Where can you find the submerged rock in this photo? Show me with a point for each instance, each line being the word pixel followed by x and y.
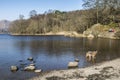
pixel 72 64
pixel 32 64
pixel 29 68
pixel 30 58
pixel 38 71
pixel 13 68
pixel 20 60
pixel 76 60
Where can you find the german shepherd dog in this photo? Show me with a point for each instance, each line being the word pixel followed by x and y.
pixel 91 55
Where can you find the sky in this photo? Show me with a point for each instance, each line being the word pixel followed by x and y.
pixel 11 9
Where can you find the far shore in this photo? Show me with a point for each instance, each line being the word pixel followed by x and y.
pixel 62 33
pixel 109 70
pixel 69 34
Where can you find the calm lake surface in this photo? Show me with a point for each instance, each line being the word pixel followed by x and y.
pixel 50 53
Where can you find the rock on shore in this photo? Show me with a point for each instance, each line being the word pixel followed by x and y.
pixel 109 70
pixel 102 31
pixel 72 64
pixel 13 68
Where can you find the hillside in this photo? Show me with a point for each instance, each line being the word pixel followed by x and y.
pixel 54 21
pixel 105 12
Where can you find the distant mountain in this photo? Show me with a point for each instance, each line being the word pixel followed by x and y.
pixel 4 25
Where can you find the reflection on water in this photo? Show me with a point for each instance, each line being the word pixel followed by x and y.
pixel 51 52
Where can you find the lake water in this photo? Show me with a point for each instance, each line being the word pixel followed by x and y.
pixel 50 53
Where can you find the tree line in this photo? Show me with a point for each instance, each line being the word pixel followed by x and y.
pixel 94 11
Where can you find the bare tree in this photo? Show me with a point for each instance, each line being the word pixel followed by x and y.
pixel 33 13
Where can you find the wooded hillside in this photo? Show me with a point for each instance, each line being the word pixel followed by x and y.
pixel 106 12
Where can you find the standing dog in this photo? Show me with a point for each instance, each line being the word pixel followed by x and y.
pixel 91 55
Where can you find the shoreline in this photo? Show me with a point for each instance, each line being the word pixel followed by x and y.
pixel 73 34
pixel 108 70
pixel 62 33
